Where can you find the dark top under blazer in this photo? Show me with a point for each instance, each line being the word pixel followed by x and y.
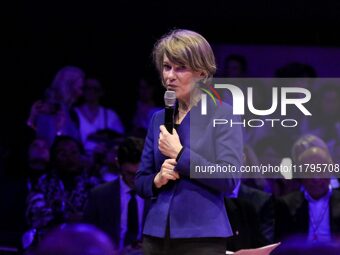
pixel 194 207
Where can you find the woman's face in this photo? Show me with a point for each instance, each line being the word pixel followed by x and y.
pixel 92 91
pixel 74 84
pixel 179 78
pixel 77 87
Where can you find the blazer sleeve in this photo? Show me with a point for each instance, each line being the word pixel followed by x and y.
pixel 228 151
pixel 147 172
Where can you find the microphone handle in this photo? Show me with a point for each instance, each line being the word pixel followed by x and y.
pixel 169 118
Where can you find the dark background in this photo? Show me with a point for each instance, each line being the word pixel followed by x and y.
pixel 112 41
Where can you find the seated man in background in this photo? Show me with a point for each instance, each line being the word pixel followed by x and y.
pixel 114 206
pixel 313 212
pixel 251 214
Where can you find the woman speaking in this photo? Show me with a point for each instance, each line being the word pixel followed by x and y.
pixel 187 215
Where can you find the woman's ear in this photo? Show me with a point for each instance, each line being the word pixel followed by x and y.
pixel 203 74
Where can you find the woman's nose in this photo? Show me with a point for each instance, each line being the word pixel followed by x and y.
pixel 171 74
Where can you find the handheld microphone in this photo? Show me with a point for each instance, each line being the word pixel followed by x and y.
pixel 170 101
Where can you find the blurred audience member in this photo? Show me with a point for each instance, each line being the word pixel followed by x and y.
pixel 38 160
pixel 326 107
pixel 262 100
pixel 235 66
pixel 59 195
pixel 114 207
pixel 104 155
pixel 296 69
pixel 244 222
pixel 306 142
pixel 146 107
pixel 253 180
pixel 93 116
pixel 297 245
pixel 54 115
pixel 251 215
pixel 314 211
pixel 295 75
pixel 270 151
pixel 78 239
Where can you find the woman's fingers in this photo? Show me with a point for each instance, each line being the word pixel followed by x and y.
pixel 175 174
pixel 171 161
pixel 170 177
pixel 169 166
pixel 165 175
pixel 166 172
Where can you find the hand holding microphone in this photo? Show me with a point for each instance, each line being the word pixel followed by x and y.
pixel 169 144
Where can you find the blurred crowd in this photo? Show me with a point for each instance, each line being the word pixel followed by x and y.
pixel 77 187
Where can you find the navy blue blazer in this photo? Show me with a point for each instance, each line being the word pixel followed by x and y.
pixel 192 207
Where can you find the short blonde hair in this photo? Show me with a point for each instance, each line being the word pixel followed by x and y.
pixel 185 47
pixel 61 86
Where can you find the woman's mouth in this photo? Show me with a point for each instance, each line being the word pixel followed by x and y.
pixel 171 87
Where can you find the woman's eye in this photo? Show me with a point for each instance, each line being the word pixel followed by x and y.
pixel 166 67
pixel 182 68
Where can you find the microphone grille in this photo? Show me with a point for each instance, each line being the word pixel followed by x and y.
pixel 170 98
